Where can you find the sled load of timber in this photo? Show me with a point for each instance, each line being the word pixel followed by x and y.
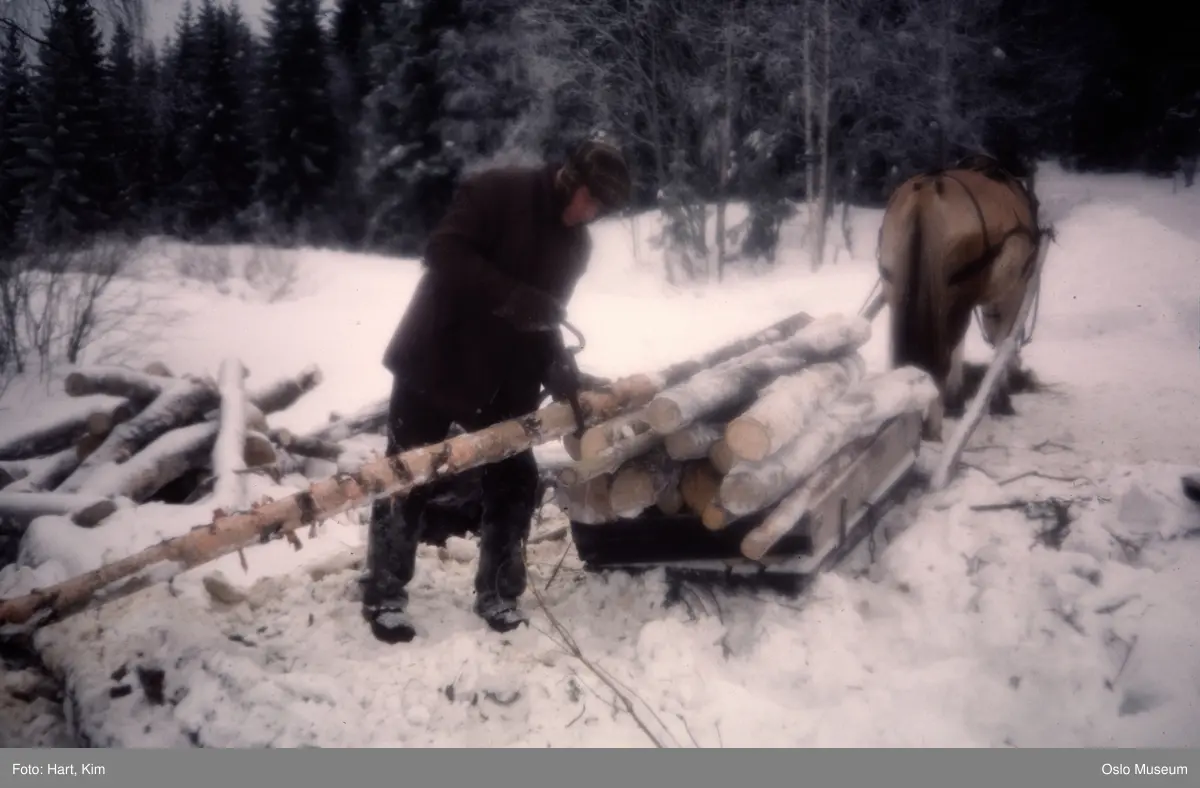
pixel 772 463
pixel 777 444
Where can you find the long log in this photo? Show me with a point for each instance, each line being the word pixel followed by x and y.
pixel 788 405
pixel 229 446
pixel 395 475
pixel 282 394
pixel 637 484
pixel 693 441
pixel 84 510
pixel 178 406
pixel 49 435
pixel 750 487
pixel 140 388
pixel 1003 357
pixel 742 378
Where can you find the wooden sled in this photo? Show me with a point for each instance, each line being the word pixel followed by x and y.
pixel 838 519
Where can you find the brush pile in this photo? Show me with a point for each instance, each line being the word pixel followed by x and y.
pixel 763 433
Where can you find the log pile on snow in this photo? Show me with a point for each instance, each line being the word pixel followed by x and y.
pixel 147 435
pixel 759 434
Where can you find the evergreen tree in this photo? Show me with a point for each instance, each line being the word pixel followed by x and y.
pixel 407 173
pixel 220 179
pixel 181 115
pixel 148 142
pixel 299 142
pixel 130 121
pixel 70 166
pixel 15 107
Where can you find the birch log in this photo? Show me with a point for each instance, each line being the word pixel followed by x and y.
pixel 788 405
pixel 750 487
pixel 693 441
pixel 637 484
pixel 743 377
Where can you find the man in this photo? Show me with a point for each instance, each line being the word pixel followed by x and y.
pixel 478 341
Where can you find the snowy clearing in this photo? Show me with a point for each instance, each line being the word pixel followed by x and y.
pixel 975 627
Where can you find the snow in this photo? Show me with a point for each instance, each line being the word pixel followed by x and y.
pixel 978 625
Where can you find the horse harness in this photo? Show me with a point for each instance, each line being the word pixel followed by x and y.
pixel 992 251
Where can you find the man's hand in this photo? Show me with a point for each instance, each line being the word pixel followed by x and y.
pixel 563 381
pixel 529 309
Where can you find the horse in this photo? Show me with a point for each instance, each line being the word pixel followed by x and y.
pixel 952 241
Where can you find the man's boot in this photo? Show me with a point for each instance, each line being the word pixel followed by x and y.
pixel 391 561
pixel 510 488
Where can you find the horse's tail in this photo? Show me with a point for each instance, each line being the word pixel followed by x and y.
pixel 917 331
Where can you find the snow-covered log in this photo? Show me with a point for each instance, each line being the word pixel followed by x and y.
pixel 84 510
pixel 181 404
pixel 589 502
pixel 306 445
pixel 139 388
pixel 370 419
pixel 49 472
pixel 49 435
pixel 693 441
pixel 229 448
pixel 742 378
pixel 282 394
pixel 638 483
pixel 788 405
pixel 255 418
pixel 750 487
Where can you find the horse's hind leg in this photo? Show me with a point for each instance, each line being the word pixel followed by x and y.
pixel 997 320
pixel 955 401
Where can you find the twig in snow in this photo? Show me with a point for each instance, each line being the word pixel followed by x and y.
pixel 557 567
pixel 1110 683
pixel 1040 475
pixel 567 642
pixel 720 739
pixel 688 728
pixel 1042 447
pixel 578 716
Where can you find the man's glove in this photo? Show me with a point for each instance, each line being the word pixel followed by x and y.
pixel 529 309
pixel 563 381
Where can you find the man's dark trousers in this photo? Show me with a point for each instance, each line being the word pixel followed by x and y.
pixel 509 493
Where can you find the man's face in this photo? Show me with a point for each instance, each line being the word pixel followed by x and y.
pixel 583 208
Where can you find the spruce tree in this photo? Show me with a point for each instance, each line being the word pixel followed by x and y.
pixel 15 108
pixel 299 130
pixel 70 166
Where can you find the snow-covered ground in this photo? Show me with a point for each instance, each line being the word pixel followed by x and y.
pixel 975 627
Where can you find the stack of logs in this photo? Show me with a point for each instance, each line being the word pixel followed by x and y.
pixel 142 435
pixel 765 432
